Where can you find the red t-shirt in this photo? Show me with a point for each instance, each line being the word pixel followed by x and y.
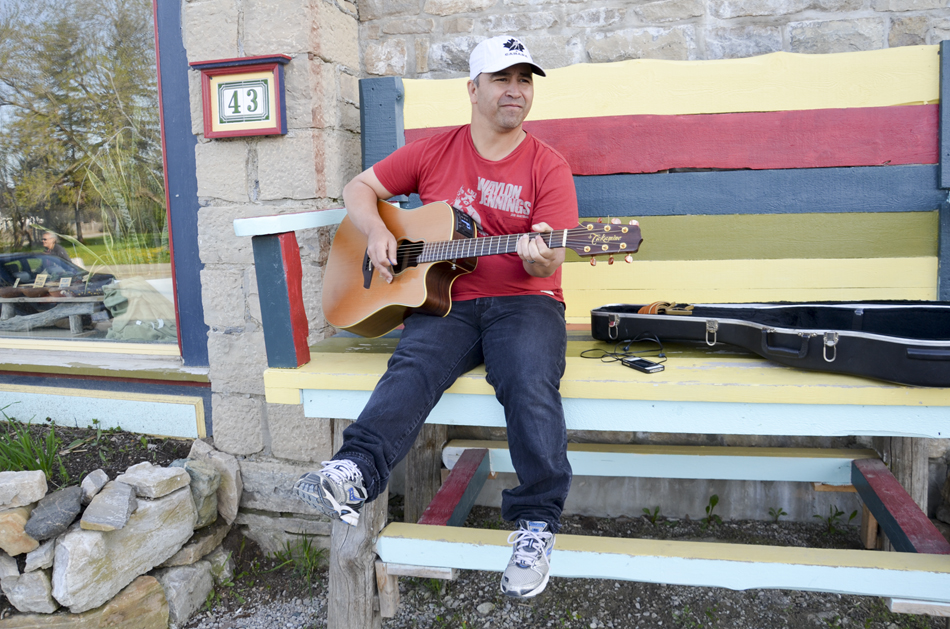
pixel 531 185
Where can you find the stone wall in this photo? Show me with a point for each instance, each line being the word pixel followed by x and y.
pixel 432 38
pixel 303 170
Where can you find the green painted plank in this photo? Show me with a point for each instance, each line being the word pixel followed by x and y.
pixel 779 236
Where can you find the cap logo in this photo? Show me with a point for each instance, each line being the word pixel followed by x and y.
pixel 514 45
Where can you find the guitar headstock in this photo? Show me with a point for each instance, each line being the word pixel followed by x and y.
pixel 592 239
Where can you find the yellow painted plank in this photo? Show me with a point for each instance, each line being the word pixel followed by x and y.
pixel 620 448
pixel 692 376
pixel 775 82
pixel 750 553
pixel 97 347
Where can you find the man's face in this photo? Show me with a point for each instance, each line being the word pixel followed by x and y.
pixel 48 241
pixel 503 99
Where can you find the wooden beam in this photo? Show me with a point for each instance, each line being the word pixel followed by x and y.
pixel 424 469
pixel 279 284
pixel 921 608
pixel 388 587
pixel 906 526
pixel 734 566
pixel 455 499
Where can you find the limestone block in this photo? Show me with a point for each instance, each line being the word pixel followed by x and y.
pixel 302 92
pixel 238 423
pixel 151 481
pixel 387 58
pixel 18 489
pixel 205 480
pixel 237 364
pixel 675 43
pixel 13 540
pixel 222 296
pixel 210 30
pixel 274 532
pixel 92 484
pixel 195 104
pixel 941 31
pixel 222 565
pixel 338 161
pixel 836 6
pixel 943 513
pixel 232 486
pixel 221 169
pixel 670 10
pixel 742 42
pixel 111 509
pixel 54 513
pixel 93 566
pixel 217 242
pixel 422 54
pixel 186 588
pixel 459 25
pixel 908 31
pixel 334 36
pixel 42 557
pixel 729 9
pixel 268 484
pixel 30 592
pixel 594 18
pixel 451 7
pixel 201 543
pixel 350 101
pixel 519 22
pixel 908 5
pixel 943 527
pixel 553 52
pixel 277 26
pixel 409 26
pixel 285 166
pixel 452 55
pixel 376 9
pixel 836 36
pixel 8 566
pixel 295 437
pixel 945 491
pixel 141 605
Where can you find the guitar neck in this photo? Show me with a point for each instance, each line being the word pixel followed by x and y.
pixel 486 246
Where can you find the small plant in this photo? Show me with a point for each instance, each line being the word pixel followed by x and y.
pixel 833 519
pixel 776 513
pixel 21 452
pixel 711 518
pixel 303 557
pixel 652 516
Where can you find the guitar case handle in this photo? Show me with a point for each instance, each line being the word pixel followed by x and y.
pixel 784 351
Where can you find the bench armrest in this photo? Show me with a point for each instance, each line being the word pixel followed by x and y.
pixel 282 223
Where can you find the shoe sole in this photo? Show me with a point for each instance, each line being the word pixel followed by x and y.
pixel 324 502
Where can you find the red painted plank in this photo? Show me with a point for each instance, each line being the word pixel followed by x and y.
pixel 900 518
pixel 820 138
pixel 293 272
pixel 455 498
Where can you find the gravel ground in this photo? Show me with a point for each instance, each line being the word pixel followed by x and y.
pixel 474 601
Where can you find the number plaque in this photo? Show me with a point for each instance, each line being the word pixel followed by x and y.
pixel 243 97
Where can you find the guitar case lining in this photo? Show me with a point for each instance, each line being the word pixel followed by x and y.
pixel 901 342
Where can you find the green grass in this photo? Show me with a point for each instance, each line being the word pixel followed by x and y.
pixel 21 452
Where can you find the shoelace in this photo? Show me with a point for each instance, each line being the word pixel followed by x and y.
pixel 529 546
pixel 341 471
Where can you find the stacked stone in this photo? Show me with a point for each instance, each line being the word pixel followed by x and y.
pixel 141 551
pixel 397 38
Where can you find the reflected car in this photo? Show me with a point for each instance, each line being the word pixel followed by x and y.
pixel 25 266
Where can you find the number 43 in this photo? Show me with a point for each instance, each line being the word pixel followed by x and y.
pixel 235 105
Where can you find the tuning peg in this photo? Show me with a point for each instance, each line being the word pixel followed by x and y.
pixel 615 221
pixel 593 261
pixel 610 260
pixel 600 219
pixel 628 259
pixel 633 222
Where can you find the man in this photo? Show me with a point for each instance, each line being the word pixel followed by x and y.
pixel 52 246
pixel 508 313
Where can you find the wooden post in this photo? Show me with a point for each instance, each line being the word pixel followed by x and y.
pixel 424 470
pixel 906 457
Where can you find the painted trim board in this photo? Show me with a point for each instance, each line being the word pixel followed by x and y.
pixel 733 566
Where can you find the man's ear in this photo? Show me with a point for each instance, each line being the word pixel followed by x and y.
pixel 471 91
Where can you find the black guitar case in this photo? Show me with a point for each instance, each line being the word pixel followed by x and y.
pixel 902 342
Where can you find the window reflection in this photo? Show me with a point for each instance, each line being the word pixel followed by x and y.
pixel 84 250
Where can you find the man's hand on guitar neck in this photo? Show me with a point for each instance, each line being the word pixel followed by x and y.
pixel 538 259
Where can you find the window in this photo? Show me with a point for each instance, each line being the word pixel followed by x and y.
pixel 84 246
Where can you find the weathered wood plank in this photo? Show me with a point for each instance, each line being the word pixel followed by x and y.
pixel 816 138
pixel 906 526
pixel 424 467
pixel 455 500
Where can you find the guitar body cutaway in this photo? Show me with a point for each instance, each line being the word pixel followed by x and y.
pixel 424 287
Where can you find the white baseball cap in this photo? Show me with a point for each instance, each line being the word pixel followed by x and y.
pixel 498 53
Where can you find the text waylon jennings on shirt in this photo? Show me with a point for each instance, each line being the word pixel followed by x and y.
pixel 503 196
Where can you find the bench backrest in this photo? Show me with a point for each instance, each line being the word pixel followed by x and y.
pixel 784 177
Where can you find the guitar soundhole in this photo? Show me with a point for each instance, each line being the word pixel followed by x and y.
pixel 407 255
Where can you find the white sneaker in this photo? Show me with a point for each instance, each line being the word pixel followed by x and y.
pixel 337 490
pixel 529 568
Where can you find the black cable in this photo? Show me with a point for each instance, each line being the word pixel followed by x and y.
pixel 619 353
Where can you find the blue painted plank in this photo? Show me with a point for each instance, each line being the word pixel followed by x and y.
pixel 182 181
pixel 275 305
pixel 943 253
pixel 381 120
pixel 796 191
pixel 944 115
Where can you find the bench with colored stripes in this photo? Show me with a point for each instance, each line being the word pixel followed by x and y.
pixel 783 177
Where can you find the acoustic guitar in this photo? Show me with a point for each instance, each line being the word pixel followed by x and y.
pixel 436 244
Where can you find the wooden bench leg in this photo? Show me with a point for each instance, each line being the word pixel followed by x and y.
pixel 424 470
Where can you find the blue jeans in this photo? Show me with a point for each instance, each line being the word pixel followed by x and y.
pixel 522 341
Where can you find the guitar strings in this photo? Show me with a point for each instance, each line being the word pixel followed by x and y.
pixel 552 238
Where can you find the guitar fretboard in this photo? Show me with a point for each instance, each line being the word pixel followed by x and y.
pixel 487 246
